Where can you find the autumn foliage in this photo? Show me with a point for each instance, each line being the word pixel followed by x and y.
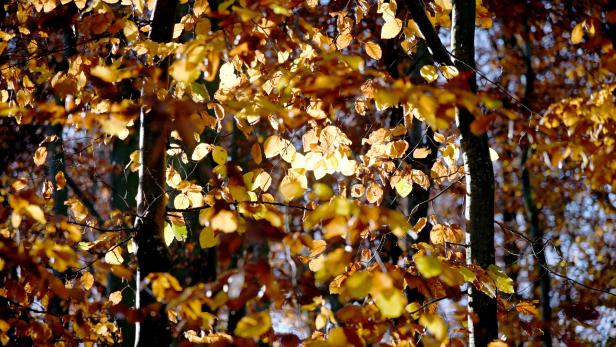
pixel 293 172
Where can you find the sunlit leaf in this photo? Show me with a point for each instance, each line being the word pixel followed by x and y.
pixel 115 297
pixel 502 281
pixel 577 34
pixel 429 73
pixel 254 325
pixel 207 239
pixel 114 256
pixel 391 28
pixel 373 50
pixel 40 156
pixel 435 325
pixel 427 265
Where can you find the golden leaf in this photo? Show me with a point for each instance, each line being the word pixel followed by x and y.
pixel 435 325
pixel 390 301
pixel 201 150
pixel 255 152
pixel 225 221
pixel 207 239
pixel 449 71
pixel 293 186
pixel 527 307
pixel 60 180
pixel 404 186
pixel 577 34
pixel 254 325
pixel 219 155
pixel 79 211
pixel 86 280
pixel 343 40
pixel 373 50
pixel 374 194
pixel 428 266
pixel 36 213
pixel 429 73
pixel 391 28
pixel 40 156
pixel 502 281
pixel 115 297
pixel 421 153
pixel 114 256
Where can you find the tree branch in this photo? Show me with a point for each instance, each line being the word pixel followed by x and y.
pixel 436 47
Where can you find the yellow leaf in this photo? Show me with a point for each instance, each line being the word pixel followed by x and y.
pixel 207 239
pixel 275 145
pixel 374 50
pixel 168 235
pixel 435 325
pixel 115 297
pixel 228 78
pixel 493 155
pixel 577 34
pixel 343 40
pixel 427 265
pixel 498 343
pixel 254 325
pixel 181 201
pixel 36 213
pixel 255 151
pixel 502 281
pixel 40 156
pixel 106 73
pixel 449 71
pixel 391 28
pixel 86 280
pixel 114 257
pixel 224 221
pixel 404 187
pixel 60 180
pixel 323 191
pixel 184 71
pixel 293 186
pixel 79 211
pixel 220 155
pixel 390 301
pixel 527 308
pixel 428 72
pixel 359 284
pixel 374 194
pixel 421 153
pixel 201 150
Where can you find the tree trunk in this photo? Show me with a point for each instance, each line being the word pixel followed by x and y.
pixel 479 179
pixel 543 281
pixel 152 253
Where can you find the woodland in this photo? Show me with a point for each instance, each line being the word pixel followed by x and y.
pixel 307 173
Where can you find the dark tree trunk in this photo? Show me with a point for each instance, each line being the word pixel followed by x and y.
pixel 479 178
pixel 152 253
pixel 543 281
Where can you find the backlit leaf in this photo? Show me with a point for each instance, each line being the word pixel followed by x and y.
pixel 115 297
pixel 373 50
pixel 254 325
pixel 391 28
pixel 427 265
pixel 429 73
pixel 40 156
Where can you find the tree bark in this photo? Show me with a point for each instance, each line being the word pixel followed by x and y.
pixel 543 281
pixel 152 253
pixel 479 211
pixel 479 178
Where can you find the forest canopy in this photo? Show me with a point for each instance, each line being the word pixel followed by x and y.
pixel 307 172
